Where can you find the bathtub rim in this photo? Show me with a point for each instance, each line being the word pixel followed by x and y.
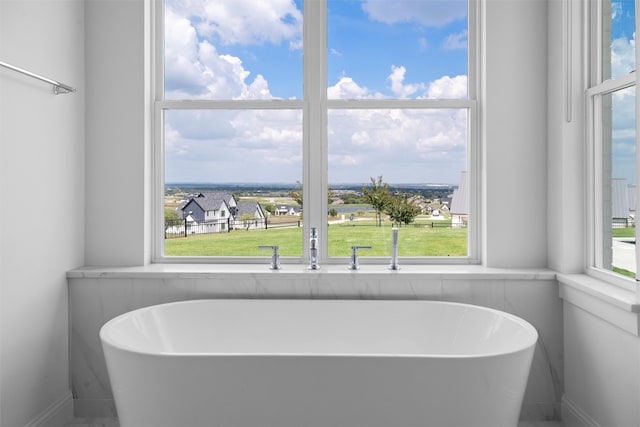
pixel 107 340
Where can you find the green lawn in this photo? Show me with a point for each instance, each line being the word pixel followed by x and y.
pixel 623 232
pixel 413 241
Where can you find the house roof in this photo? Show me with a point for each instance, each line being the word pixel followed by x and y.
pixel 288 208
pixel 246 207
pixel 619 198
pixel 210 201
pixel 632 197
pixel 460 199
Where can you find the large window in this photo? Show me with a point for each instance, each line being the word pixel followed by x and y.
pixel 359 121
pixel 613 142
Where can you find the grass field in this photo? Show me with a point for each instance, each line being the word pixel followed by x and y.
pixel 413 241
pixel 624 232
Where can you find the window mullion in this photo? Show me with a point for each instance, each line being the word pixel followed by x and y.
pixel 315 122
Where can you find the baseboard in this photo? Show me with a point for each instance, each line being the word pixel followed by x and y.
pixel 56 415
pixel 94 408
pixel 574 416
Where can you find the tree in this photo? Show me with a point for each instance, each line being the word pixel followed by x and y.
pixel 378 196
pixel 402 210
pixel 296 194
pixel 171 216
pixel 269 207
pixel 247 219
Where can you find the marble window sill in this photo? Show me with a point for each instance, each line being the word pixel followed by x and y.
pixel 204 271
pixel 616 305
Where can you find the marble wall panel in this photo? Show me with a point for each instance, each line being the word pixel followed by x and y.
pixel 538 302
pixel 94 301
pixel 487 293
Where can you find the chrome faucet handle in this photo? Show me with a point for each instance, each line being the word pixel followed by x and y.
pixel 355 264
pixel 275 257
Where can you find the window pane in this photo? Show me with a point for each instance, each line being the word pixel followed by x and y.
pixel 397 49
pixel 618 38
pixel 233 49
pixel 419 158
pixel 619 181
pixel 228 178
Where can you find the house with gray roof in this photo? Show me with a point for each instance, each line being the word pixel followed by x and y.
pixel 288 210
pixel 219 211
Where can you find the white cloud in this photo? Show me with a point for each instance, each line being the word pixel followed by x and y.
pixel 347 88
pixel 245 21
pixel 399 89
pixel 403 145
pixel 444 87
pixel 616 9
pixel 230 145
pixel 428 145
pixel 344 160
pixel 629 133
pixel 361 137
pixel 433 13
pixel 448 87
pixel 623 56
pixel 456 41
pixel 196 70
pixel 623 116
pixel 182 67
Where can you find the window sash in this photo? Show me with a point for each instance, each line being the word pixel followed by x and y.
pixel 599 235
pixel 315 106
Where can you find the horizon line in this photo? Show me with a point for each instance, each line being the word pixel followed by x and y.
pixel 250 183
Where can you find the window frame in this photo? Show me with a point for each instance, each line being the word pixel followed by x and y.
pixel 315 106
pixel 598 87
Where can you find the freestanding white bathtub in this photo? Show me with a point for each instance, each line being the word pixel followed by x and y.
pixel 308 363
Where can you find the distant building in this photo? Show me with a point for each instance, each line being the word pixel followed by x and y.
pixel 287 210
pixel 219 211
pixel 459 209
pixel 623 203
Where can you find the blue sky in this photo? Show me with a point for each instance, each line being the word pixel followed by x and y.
pixel 247 49
pixel 623 114
pixel 367 39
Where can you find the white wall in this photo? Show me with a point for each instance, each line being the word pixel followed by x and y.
pixel 117 144
pixel 566 150
pixel 42 203
pixel 514 117
pixel 601 344
pixel 602 371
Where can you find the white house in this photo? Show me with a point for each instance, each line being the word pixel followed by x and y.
pixel 287 210
pixel 219 211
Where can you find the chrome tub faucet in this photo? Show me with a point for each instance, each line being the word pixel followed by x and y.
pixel 275 258
pixel 355 264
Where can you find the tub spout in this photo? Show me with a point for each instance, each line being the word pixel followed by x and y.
pixel 355 264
